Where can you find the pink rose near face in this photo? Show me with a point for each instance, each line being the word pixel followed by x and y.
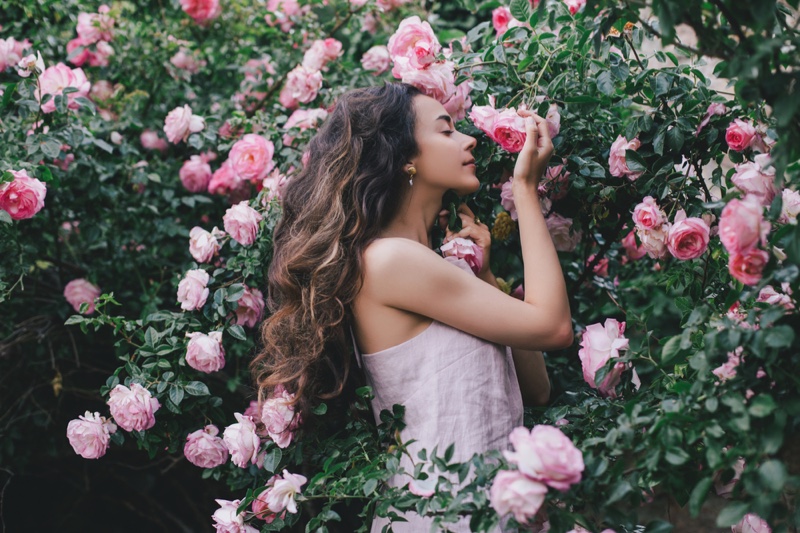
pixel 227 521
pixel 560 228
pixel 545 454
pixel 508 130
pixel 23 197
pixel 193 290
pixel 751 523
pixel 241 222
pixel 282 496
pixel 415 41
pixel 302 86
pixel 180 123
pixel 203 245
pixel 204 449
pixel 687 237
pixel 713 109
pixel 242 441
pixel 514 492
pixel 465 249
pixel 79 291
pixel 632 250
pixel 89 435
pixel 742 225
pixel 617 164
pixel 757 178
pixel 278 416
pixel 55 79
pixel 195 174
pixel 201 11
pixel 376 59
pixel 791 206
pixel 599 344
pixel 205 352
pixel 483 116
pixel 436 81
pixel 748 266
pixel 458 104
pixel 739 135
pixel 133 409
pixel 647 214
pixel 251 308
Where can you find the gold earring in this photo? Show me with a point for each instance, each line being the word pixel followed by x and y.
pixel 411 173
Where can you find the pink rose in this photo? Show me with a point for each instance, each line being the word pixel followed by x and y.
pixel 600 268
pixel 89 435
pixel 751 523
pixel 742 225
pixel 203 245
pixel 464 249
pixel 23 197
pixel 436 81
pixel 713 109
pixel 284 491
pixel 224 181
pixel 93 27
pixel 560 228
pixel 553 119
pixel 507 198
pixel 193 290
pixel 415 41
pixel 508 130
pixel 545 454
pixel 376 59
pixel 483 116
pixel 304 119
pixel 458 104
pixel 302 86
pixel 618 165
pixel 503 20
pixel 725 490
pixel 513 492
pixel 242 441
pixel 55 79
pixel 791 206
pixel 195 174
pixel 555 182
pixel 226 520
pixel 599 344
pixel 747 266
pixel 281 11
pixel 575 5
pixel 186 60
pixel 11 52
pixel 740 135
pixel 241 222
pixel 727 370
pixel 632 250
pixel 133 409
pixel 654 241
pixel 180 122
pixel 151 141
pixel 204 449
pixel 274 185
pixel 321 53
pixel 261 508
pixel 205 352
pixel 770 296
pixel 688 237
pixel 251 157
pixel 201 11
pixel 647 214
pixel 79 291
pixel 757 178
pixel 251 308
pixel 279 417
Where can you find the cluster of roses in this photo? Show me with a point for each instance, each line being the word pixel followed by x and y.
pixel 685 238
pixel 95 30
pixel 305 80
pixel 544 457
pixel 276 498
pixel 503 20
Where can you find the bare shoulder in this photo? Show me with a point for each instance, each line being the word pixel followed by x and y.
pixel 389 254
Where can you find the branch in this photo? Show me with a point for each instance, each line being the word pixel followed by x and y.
pixel 600 253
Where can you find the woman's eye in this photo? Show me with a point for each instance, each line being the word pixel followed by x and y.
pixel 448 132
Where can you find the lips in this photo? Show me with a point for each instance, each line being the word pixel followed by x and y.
pixel 470 162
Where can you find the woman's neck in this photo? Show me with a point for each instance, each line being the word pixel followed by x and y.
pixel 416 216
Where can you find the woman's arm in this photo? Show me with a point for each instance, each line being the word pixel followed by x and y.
pixel 532 376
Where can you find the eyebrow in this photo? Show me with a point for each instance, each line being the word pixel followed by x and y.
pixel 445 117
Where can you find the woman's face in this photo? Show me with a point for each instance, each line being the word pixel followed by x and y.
pixel 445 158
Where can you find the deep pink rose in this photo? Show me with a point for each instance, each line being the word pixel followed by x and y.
pixel 23 197
pixel 55 79
pixel 302 86
pixel 742 225
pixel 251 308
pixel 242 441
pixel 514 492
pixel 376 59
pixel 89 435
pixel 133 408
pixel 508 130
pixel 79 291
pixel 748 266
pixel 205 352
pixel 195 174
pixel 739 135
pixel 278 416
pixel 617 164
pixel 284 491
pixel 545 454
pixel 600 268
pixel 599 344
pixel 465 249
pixel 415 41
pixel 713 109
pixel 193 290
pixel 241 222
pixel 757 178
pixel 224 181
pixel 560 228
pixel 483 116
pixel 227 521
pixel 201 11
pixel 751 523
pixel 791 206
pixel 204 449
pixel 632 250
pixel 688 237
pixel 647 214
pixel 321 53
pixel 203 245
pixel 575 5
pixel 180 122
pixel 503 20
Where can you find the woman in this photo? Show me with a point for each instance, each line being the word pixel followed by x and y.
pixel 353 254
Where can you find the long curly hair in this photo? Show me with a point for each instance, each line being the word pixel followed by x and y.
pixel 348 192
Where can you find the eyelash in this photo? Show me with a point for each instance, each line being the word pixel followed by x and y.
pixel 449 131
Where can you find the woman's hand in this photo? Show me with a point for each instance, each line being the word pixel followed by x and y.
pixel 532 160
pixel 477 231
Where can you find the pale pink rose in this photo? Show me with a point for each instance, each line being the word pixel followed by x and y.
pixel 242 441
pixel 465 249
pixel 508 130
pixel 251 308
pixel 281 12
pixel 261 508
pixel 599 344
pixel 513 492
pixel 203 245
pixel 274 185
pixel 740 135
pixel 632 250
pixel 555 182
pixel 688 237
pixel 180 122
pixel 654 241
pixel 553 119
pixel 415 41
pixel 742 225
pixel 725 490
pixel 302 86
pixel 545 454
pixel 748 265
pixel 23 197
pixel 195 174
pixel 133 408
pixel 376 59
pixel 790 207
pixel 204 449
pixel 93 27
pixel 757 178
pixel 713 109
pixel 304 119
pixel 251 157
pixel 227 521
pixel 769 295
pixel 458 104
pixel 30 64
pixel 284 491
pixel 11 52
pixel 483 116
pixel 205 352
pixel 321 53
pixel 278 416
pixel 507 198
pixel 184 59
pixel 436 81
pixel 560 228
pixel 193 290
pixel 575 5
pixel 55 79
pixel 617 164
pixel 241 222
pixel 751 523
pixel 151 141
pixel 79 291
pixel 201 11
pixel 727 370
pixel 389 5
pixel 89 435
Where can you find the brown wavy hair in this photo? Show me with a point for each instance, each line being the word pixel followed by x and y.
pixel 347 193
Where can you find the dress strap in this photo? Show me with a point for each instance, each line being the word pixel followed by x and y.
pixel 355 347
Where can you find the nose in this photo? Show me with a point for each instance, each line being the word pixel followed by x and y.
pixel 472 142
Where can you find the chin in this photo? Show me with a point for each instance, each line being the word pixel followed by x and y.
pixel 468 188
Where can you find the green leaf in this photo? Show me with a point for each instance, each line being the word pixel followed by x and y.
pixel 605 83
pixel 197 388
pixel 104 145
pixel 675 139
pixel 773 475
pixel 237 332
pixel 272 460
pixel 780 337
pixel 176 394
pixel 520 10
pixel 699 494
pixel 635 162
pixel 619 491
pixel 235 292
pixel 732 513
pixel 671 349
pixel 676 456
pixel 658 526
pixel 5 217
pixel 761 406
pixel 370 486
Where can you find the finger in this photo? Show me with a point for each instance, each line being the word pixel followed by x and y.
pixel 464 209
pixel 544 132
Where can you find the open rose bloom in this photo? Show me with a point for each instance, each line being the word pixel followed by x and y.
pixel 465 249
pixel 133 408
pixel 23 197
pixel 688 237
pixel 601 343
pixel 205 449
pixel 89 435
pixel 80 291
pixel 514 492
